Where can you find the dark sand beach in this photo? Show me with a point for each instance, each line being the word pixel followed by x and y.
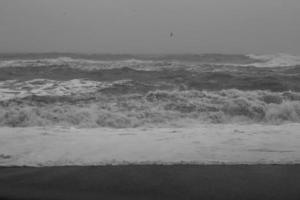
pixel 152 182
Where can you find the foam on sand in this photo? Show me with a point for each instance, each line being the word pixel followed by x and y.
pixel 206 144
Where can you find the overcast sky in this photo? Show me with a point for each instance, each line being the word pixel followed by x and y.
pixel 144 26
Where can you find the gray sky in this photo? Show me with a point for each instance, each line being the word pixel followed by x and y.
pixel 143 26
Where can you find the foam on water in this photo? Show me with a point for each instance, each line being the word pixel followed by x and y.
pixel 155 108
pixel 13 89
pixel 134 92
pixel 200 144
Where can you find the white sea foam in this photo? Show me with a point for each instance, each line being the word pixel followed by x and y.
pixel 279 60
pixel 12 89
pixel 198 144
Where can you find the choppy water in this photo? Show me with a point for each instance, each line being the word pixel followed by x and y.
pixel 131 91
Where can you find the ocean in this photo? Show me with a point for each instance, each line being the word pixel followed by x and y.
pixel 127 91
pixel 73 109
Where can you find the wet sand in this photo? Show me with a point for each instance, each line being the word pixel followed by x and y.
pixel 152 182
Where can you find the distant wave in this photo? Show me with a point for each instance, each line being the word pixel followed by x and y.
pixel 280 60
pixel 89 65
pixel 204 58
pixel 155 108
pixel 171 63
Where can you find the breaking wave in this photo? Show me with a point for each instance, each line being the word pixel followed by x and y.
pixel 134 91
pixel 155 108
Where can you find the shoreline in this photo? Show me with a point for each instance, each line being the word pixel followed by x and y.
pixel 207 144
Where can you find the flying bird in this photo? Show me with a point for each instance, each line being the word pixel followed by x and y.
pixel 171 34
